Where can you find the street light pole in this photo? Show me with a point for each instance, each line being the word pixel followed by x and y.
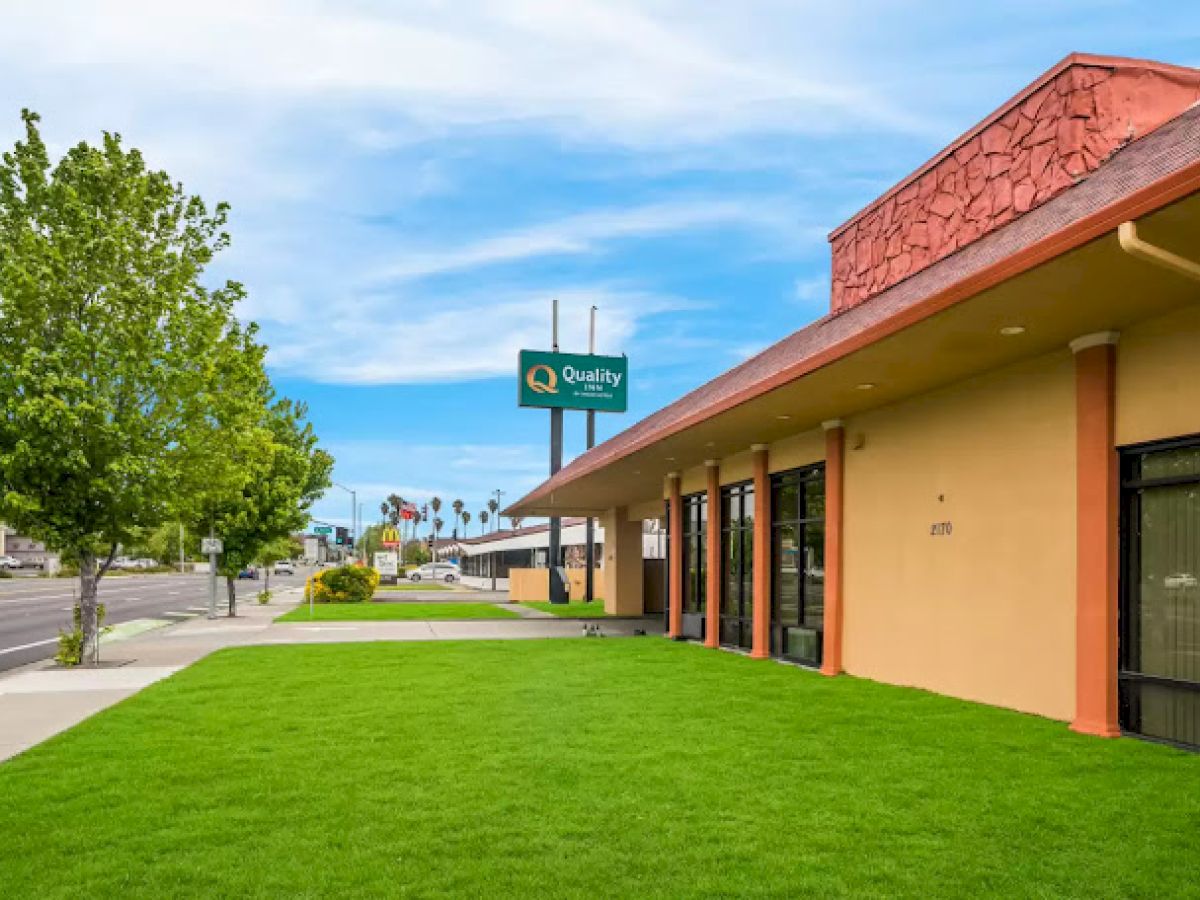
pixel 495 526
pixel 353 509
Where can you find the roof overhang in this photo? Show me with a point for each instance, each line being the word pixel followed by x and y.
pixel 1073 282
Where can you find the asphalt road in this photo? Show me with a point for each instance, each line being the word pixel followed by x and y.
pixel 32 610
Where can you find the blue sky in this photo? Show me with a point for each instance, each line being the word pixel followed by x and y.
pixel 413 181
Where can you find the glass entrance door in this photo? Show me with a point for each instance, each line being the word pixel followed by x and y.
pixel 737 564
pixel 1159 682
pixel 798 564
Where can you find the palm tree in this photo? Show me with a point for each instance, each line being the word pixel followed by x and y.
pixel 466 519
pixel 494 506
pixel 515 521
pixel 483 520
pixel 435 503
pixel 457 506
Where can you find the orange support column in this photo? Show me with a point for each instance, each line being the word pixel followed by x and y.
pixel 712 588
pixel 835 473
pixel 675 562
pixel 761 629
pixel 1096 540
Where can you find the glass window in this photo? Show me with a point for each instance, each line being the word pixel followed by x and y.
pixel 695 538
pixel 737 555
pixel 1160 594
pixel 798 564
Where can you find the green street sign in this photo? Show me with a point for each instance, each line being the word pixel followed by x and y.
pixel 572 381
pixel 322 529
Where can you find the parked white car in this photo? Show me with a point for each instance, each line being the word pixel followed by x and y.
pixel 9 562
pixel 436 572
pixel 284 567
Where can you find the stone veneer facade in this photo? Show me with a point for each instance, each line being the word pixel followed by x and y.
pixel 1054 133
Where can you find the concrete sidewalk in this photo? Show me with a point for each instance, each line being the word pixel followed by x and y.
pixel 40 700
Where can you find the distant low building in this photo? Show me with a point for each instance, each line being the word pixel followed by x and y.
pixel 31 553
pixel 488 558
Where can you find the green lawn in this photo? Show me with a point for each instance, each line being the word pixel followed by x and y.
pixel 414 586
pixel 593 610
pixel 381 612
pixel 581 768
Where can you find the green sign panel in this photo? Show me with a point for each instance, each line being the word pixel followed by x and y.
pixel 572 381
pixel 322 529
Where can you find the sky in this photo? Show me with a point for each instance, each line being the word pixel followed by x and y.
pixel 413 182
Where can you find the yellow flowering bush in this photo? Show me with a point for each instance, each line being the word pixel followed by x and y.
pixel 345 584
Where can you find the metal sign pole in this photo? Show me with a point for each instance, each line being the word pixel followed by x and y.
pixel 558 592
pixel 212 575
pixel 589 587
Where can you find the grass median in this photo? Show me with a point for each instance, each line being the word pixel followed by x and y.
pixel 394 612
pixel 593 610
pixel 581 768
pixel 414 586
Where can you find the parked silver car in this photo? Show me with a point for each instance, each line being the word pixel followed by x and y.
pixel 436 572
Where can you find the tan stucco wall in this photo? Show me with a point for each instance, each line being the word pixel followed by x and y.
pixel 621 585
pixel 692 481
pixel 649 509
pixel 1158 378
pixel 528 585
pixel 735 468
pixel 987 612
pixel 802 449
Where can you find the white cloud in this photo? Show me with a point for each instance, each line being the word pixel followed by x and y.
pixel 418 472
pixel 413 340
pixel 625 71
pixel 810 290
pixel 587 232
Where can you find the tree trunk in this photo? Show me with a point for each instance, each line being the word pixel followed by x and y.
pixel 267 576
pixel 89 649
pixel 231 587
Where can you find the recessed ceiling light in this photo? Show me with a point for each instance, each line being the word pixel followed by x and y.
pixel 670 459
pixel 783 418
pixel 1012 330
pixel 865 386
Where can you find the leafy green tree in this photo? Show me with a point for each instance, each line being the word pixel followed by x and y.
pixel 105 348
pixel 286 547
pixel 285 472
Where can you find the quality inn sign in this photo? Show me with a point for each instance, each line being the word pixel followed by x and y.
pixel 572 381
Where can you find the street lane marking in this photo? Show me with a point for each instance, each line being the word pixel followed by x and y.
pixel 53 640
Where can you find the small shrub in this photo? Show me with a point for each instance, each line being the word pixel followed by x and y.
pixel 345 584
pixel 6 573
pixel 70 643
pixel 264 597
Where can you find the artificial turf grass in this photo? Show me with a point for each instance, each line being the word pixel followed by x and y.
pixel 593 610
pixel 621 767
pixel 394 612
